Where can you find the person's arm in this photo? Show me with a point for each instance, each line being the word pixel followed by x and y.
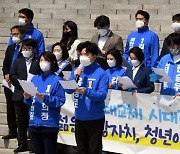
pixel 177 95
pixel 126 51
pixel 40 44
pixel 154 51
pixel 27 98
pixel 6 64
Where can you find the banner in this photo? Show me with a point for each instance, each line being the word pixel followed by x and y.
pixel 134 124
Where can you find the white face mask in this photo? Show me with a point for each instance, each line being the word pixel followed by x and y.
pixel 16 39
pixel 58 55
pixel 111 63
pixel 102 32
pixel 175 52
pixel 135 63
pixel 22 22
pixel 176 26
pixel 84 61
pixel 27 54
pixel 139 24
pixel 45 66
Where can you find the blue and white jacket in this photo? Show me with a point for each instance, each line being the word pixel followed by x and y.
pixel 173 70
pixel 148 41
pixel 90 106
pixel 113 74
pixel 33 33
pixel 46 113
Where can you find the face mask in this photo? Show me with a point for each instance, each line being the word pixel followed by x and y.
pixel 111 63
pixel 175 52
pixel 67 34
pixel 176 26
pixel 139 24
pixel 16 39
pixel 102 32
pixel 58 55
pixel 22 22
pixel 135 63
pixel 27 54
pixel 84 61
pixel 45 66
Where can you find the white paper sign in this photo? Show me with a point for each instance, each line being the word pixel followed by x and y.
pixel 5 84
pixel 127 82
pixel 165 77
pixel 69 84
pixel 28 87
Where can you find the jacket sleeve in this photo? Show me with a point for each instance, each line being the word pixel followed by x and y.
pixel 40 44
pixel 119 45
pixel 70 91
pixel 154 51
pixel 126 51
pixel 149 85
pixel 100 93
pixel 6 64
pixel 57 98
pixel 28 101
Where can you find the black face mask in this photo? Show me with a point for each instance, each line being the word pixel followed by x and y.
pixel 67 34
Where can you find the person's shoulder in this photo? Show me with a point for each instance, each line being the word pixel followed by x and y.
pixel 37 31
pixel 152 33
pixel 116 36
pixel 166 57
pixel 132 33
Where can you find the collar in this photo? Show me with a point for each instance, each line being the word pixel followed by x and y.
pixel 143 29
pixel 30 28
pixel 136 68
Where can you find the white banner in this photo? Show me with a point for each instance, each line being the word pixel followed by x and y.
pixel 134 124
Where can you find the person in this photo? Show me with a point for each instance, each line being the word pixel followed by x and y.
pixel 26 16
pixel 106 39
pixel 89 101
pixel 45 106
pixel 23 68
pixel 171 64
pixel 143 38
pixel 139 73
pixel 70 39
pixel 12 53
pixel 114 60
pixel 176 27
pixel 60 51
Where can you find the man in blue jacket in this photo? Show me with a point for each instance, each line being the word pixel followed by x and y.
pixel 25 19
pixel 89 101
pixel 145 39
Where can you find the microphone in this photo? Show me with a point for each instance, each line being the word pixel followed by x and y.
pixel 78 73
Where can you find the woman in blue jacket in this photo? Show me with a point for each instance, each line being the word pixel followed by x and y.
pixel 114 60
pixel 45 106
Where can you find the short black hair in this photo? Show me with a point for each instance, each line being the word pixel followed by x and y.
pixel 20 28
pixel 102 21
pixel 90 47
pixel 176 17
pixel 173 38
pixel 27 12
pixel 117 55
pixel 143 13
pixel 138 53
pixel 29 42
pixel 50 57
pixel 65 53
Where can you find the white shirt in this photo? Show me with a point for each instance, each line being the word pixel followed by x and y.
pixel 102 41
pixel 135 69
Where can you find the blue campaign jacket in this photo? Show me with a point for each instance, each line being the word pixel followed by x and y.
pixel 46 113
pixel 148 41
pixel 113 73
pixel 33 33
pixel 173 71
pixel 90 106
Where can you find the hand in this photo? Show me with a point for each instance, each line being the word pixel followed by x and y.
pixel 40 96
pixel 26 95
pixel 120 84
pixel 110 85
pixel 7 77
pixel 78 71
pixel 103 52
pixel 178 94
pixel 81 90
pixel 134 91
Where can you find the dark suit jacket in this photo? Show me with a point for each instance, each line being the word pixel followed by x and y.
pixel 141 79
pixel 8 59
pixel 19 71
pixel 113 42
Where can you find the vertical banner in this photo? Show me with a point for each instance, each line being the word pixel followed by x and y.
pixel 134 124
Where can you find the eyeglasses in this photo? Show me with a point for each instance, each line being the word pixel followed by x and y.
pixel 27 48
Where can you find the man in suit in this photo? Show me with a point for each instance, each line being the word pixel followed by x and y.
pixel 12 52
pixel 22 69
pixel 105 39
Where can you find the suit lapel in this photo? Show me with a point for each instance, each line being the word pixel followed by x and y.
pixel 139 73
pixel 108 42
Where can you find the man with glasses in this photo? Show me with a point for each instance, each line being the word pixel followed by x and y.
pixel 25 19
